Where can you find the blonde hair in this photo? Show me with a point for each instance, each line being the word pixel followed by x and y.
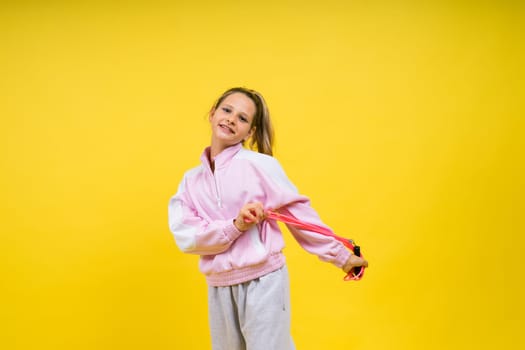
pixel 263 135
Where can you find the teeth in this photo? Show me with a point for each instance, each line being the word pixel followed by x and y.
pixel 226 127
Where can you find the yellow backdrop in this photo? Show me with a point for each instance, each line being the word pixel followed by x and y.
pixel 403 124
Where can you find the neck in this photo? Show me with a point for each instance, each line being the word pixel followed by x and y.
pixel 214 151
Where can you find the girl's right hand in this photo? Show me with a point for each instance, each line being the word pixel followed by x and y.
pixel 249 215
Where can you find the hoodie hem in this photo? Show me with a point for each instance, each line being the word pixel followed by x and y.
pixel 245 274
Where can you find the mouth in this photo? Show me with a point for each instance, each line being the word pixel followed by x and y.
pixel 226 128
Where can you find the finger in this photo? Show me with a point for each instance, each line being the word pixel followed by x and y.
pixel 262 212
pixel 248 216
pixel 259 212
pixel 362 262
pixel 257 206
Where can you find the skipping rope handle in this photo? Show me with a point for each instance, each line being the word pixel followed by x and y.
pixel 357 272
pixel 357 269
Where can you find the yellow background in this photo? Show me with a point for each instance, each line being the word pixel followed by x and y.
pixel 403 122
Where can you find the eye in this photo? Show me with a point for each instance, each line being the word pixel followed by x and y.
pixel 226 109
pixel 243 119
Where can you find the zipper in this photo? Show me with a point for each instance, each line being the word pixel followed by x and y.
pixel 217 193
pixel 213 174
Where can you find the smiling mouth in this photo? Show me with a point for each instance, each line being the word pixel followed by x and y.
pixel 227 128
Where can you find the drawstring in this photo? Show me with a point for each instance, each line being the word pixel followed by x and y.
pixel 353 275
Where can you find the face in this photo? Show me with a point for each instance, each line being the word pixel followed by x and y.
pixel 231 121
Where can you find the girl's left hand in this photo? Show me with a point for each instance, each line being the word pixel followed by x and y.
pixel 354 261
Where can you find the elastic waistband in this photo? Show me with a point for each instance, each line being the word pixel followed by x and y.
pixel 248 273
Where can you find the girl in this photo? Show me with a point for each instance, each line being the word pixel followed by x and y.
pixel 219 214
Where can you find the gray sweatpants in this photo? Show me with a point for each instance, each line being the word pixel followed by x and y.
pixel 254 315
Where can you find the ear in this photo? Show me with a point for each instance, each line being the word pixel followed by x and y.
pixel 212 111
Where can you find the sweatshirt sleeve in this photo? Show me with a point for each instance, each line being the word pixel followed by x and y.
pixel 192 233
pixel 282 195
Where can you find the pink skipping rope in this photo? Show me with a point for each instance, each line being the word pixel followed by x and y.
pixel 356 273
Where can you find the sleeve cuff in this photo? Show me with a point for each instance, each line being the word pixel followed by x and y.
pixel 342 257
pixel 231 232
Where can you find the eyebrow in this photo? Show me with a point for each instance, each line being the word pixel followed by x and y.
pixel 229 105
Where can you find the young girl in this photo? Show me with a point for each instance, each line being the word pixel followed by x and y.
pixel 219 214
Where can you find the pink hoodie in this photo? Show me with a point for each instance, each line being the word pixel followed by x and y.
pixel 201 217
